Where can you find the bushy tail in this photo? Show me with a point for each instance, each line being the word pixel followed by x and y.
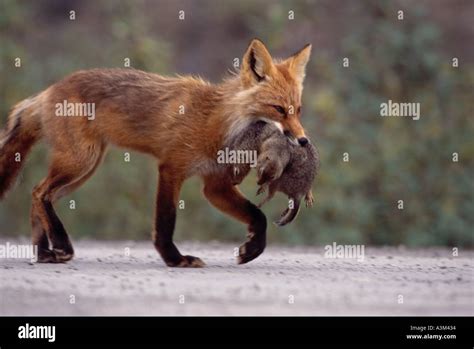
pixel 22 132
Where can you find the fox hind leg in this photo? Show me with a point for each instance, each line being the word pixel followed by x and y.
pixel 67 172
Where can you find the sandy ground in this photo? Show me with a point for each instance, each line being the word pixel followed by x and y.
pixel 104 279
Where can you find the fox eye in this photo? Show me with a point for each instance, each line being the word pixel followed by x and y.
pixel 299 110
pixel 279 109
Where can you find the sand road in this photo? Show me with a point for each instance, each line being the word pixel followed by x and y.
pixel 128 278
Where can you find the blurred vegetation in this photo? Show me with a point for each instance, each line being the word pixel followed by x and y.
pixel 390 158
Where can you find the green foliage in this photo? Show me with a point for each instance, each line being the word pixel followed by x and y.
pixel 391 158
pixel 394 158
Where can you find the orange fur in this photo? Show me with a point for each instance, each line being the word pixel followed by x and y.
pixel 144 112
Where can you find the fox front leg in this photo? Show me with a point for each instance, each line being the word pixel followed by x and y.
pixel 231 201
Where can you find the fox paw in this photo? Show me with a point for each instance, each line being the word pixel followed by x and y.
pixel 249 251
pixel 188 262
pixel 54 256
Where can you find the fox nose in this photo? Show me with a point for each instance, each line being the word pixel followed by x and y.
pixel 303 141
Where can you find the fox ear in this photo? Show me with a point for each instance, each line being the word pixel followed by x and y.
pixel 257 64
pixel 297 63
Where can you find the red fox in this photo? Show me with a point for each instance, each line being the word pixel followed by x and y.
pixel 182 121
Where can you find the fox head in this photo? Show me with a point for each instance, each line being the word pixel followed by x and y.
pixel 272 88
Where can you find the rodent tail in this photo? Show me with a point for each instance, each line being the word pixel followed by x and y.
pixel 289 214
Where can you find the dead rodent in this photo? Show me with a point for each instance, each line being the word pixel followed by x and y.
pixel 287 168
pixel 281 165
pixel 248 141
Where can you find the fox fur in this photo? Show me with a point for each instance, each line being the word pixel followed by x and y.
pixel 181 121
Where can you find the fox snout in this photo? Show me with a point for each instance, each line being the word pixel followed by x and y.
pixel 302 140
